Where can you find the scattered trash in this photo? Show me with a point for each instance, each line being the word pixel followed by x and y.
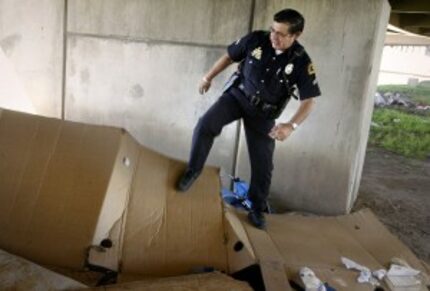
pixel 397 99
pixel 365 276
pixel 380 100
pixel 397 270
pixel 311 281
pixel 401 276
pixel 380 274
pixel 239 196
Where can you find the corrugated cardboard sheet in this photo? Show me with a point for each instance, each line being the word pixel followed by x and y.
pixel 320 242
pixel 55 187
pixel 169 233
pixel 239 249
pixel 199 282
pixel 65 186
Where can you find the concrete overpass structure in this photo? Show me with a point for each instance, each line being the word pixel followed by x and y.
pixel 411 15
pixel 136 64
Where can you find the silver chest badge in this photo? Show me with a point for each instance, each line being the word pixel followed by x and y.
pixel 289 68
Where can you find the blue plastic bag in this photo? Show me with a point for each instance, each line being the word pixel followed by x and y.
pixel 239 196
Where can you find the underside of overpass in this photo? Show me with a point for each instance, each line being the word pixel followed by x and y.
pixel 411 15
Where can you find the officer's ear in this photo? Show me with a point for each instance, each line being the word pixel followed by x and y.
pixel 297 34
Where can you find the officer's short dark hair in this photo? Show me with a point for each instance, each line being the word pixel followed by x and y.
pixel 295 20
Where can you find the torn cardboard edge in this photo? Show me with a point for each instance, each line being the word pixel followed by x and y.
pixel 110 229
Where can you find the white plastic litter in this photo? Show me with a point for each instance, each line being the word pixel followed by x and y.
pixel 403 277
pixel 311 281
pixel 404 282
pixel 350 264
pixel 365 276
pixel 397 270
pixel 380 274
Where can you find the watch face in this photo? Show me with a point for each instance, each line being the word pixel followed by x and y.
pixel 294 125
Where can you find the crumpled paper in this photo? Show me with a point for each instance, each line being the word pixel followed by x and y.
pixel 366 275
pixel 310 280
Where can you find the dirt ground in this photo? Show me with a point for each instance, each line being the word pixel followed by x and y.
pixel 397 189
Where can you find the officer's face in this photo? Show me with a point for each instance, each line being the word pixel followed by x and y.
pixel 280 37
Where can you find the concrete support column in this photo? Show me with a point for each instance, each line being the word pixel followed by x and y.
pixel 319 167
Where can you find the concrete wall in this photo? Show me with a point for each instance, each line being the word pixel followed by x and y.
pixel 31 35
pixel 137 64
pixel 319 167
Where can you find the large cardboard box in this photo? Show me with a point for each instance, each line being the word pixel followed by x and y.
pixel 65 187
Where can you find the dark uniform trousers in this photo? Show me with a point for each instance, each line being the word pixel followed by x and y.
pixel 227 109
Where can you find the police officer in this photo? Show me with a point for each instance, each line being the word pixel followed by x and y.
pixel 273 66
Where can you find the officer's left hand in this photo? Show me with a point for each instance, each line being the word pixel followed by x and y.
pixel 281 131
pixel 204 86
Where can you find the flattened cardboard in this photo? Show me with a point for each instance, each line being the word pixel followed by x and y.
pixel 370 233
pixel 320 242
pixel 239 250
pixel 168 233
pixel 199 282
pixel 269 258
pixel 54 176
pixel 65 186
pixel 19 274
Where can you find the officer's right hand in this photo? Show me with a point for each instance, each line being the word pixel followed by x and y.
pixel 204 86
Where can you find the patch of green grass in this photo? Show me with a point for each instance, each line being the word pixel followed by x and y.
pixel 419 94
pixel 402 133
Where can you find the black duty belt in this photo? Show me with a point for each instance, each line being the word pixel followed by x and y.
pixel 258 102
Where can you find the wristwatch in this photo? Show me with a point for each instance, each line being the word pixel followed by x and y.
pixel 293 125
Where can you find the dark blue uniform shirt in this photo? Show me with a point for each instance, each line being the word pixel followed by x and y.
pixel 265 74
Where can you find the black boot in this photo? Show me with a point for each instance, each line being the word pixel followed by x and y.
pixel 187 179
pixel 256 218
